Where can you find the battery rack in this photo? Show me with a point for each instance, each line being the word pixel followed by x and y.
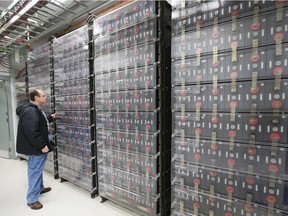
pixel 75 109
pixel 21 91
pixel 229 108
pixel 132 61
pixel 21 87
pixel 39 76
pixel 54 128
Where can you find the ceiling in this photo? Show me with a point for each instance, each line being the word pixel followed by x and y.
pixel 5 4
pixel 23 22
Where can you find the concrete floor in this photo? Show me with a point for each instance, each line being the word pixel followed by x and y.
pixel 65 199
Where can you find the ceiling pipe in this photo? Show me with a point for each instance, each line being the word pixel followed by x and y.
pixel 20 71
pixel 26 21
pixel 29 47
pixel 13 4
pixel 59 6
pixel 27 8
pixel 20 27
pixel 96 6
pixel 14 17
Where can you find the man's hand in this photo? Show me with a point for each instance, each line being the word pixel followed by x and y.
pixel 45 149
pixel 53 115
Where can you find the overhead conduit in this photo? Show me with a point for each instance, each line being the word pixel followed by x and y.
pixel 20 71
pixel 12 22
pixel 9 26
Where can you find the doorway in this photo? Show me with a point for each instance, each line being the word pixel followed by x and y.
pixel 4 121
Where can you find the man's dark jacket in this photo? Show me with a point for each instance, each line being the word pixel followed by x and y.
pixel 32 135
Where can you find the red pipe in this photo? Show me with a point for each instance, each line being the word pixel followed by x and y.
pixel 19 72
pixel 29 47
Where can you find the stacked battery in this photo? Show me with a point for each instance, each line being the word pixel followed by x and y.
pixel 229 108
pixel 21 88
pixel 132 79
pixel 39 75
pixel 73 108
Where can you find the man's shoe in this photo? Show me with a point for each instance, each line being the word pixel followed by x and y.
pixel 45 190
pixel 35 206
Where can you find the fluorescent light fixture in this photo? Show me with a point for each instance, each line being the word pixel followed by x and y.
pixel 7 37
pixel 59 2
pixel 20 13
pixel 32 20
pixel 28 7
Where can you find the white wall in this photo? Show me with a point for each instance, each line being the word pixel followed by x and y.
pixel 5 72
pixel 13 114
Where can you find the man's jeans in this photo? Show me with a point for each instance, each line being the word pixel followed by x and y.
pixel 36 164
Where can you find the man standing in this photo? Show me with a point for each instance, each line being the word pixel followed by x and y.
pixel 33 141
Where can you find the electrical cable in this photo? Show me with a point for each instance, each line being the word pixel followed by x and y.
pixel 5 60
pixel 20 71
pixel 4 64
pixel 29 47
pixel 90 18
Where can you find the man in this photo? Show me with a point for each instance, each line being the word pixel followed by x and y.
pixel 33 141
